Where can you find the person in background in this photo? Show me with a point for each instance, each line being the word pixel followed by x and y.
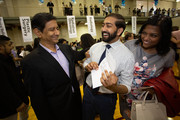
pixel 102 100
pixel 49 73
pixel 152 55
pixel 128 36
pixel 96 10
pixel 26 51
pixel 176 39
pixel 50 5
pixel 85 10
pixel 81 9
pixel 86 42
pixel 15 57
pixel 73 46
pixel 110 8
pixel 63 41
pixel 91 9
pixel 70 8
pixel 117 7
pixel 13 94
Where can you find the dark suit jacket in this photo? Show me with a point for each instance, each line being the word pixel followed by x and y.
pixel 12 90
pixel 49 87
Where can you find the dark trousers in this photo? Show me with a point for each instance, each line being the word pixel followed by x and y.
pixel 51 11
pixel 102 104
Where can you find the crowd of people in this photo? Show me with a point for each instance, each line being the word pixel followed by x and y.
pixel 107 9
pixel 48 74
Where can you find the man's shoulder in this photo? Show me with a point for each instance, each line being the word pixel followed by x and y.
pixel 31 56
pixel 96 45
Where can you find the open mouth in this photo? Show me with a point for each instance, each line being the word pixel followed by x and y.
pixel 146 42
pixel 105 35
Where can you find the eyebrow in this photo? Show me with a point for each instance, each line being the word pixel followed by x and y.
pixel 108 23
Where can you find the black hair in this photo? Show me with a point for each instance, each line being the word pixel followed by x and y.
pixel 61 40
pixel 3 39
pixel 165 25
pixel 36 43
pixel 87 41
pixel 128 35
pixel 28 48
pixel 40 19
pixel 120 23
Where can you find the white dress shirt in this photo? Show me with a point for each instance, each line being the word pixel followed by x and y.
pixel 120 59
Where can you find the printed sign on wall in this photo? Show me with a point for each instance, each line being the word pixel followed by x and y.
pixel 2 27
pixel 26 29
pixel 134 22
pixel 71 26
pixel 91 25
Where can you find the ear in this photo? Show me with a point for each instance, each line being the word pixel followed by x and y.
pixel 1 47
pixel 120 30
pixel 37 32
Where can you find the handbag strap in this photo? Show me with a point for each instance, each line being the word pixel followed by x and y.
pixel 154 97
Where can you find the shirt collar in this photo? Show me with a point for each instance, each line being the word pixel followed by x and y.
pixel 47 49
pixel 114 44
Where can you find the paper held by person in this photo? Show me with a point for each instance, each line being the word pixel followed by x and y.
pixel 96 74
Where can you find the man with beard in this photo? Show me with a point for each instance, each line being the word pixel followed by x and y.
pixel 102 100
pixel 14 97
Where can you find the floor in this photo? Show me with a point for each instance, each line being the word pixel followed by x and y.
pixel 117 114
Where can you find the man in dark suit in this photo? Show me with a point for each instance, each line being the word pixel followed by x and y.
pixel 14 97
pixel 49 73
pixel 50 5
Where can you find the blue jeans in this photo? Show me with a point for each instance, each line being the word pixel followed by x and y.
pixel 103 104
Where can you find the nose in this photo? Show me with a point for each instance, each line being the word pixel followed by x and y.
pixel 146 37
pixel 103 28
pixel 57 32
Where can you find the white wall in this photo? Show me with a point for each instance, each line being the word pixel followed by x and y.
pixel 14 8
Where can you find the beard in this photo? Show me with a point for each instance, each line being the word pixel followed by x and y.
pixel 111 36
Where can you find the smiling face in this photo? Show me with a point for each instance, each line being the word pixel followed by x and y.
pixel 50 33
pixel 110 33
pixel 150 37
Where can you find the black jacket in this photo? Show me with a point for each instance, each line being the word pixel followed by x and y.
pixel 49 87
pixel 12 90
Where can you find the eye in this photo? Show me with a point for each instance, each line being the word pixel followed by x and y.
pixel 108 25
pixel 143 33
pixel 153 35
pixel 51 29
pixel 103 25
pixel 57 28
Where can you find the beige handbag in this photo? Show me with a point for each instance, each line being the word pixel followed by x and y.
pixel 148 109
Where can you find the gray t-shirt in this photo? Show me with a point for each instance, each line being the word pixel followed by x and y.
pixel 148 65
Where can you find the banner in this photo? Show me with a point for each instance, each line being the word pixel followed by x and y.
pixel 134 22
pixel 155 2
pixel 71 26
pixel 101 2
pixel 41 1
pixel 2 27
pixel 123 3
pixel 26 29
pixel 91 25
pixel 74 1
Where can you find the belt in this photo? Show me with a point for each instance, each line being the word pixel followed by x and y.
pixel 99 93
